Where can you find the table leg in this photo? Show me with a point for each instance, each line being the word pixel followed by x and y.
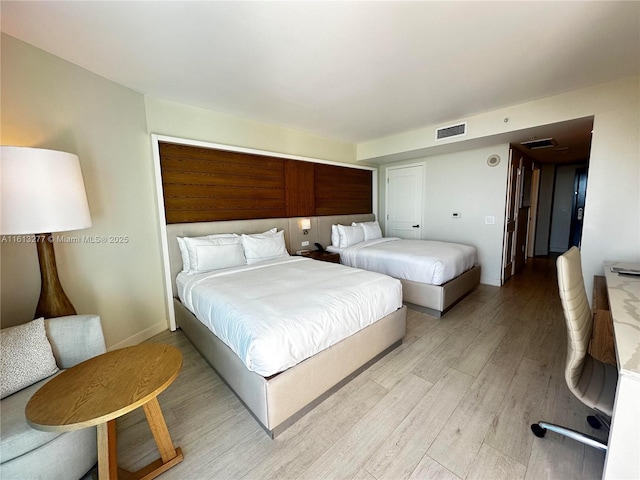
pixel 107 451
pixel 159 430
pixel 169 456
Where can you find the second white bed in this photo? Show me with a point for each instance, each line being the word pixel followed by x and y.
pixel 424 261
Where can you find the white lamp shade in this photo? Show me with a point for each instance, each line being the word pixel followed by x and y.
pixel 305 224
pixel 41 191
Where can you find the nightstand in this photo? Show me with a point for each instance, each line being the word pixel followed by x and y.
pixel 322 256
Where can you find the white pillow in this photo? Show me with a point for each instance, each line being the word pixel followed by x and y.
pixel 350 235
pixel 335 236
pixel 186 263
pixel 264 246
pixel 371 230
pixel 26 356
pixel 213 252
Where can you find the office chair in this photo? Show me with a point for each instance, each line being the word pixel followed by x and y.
pixel 591 381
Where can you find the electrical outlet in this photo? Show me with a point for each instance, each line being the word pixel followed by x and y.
pixel 490 220
pixel 304 244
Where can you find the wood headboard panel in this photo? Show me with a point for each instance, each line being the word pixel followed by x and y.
pixel 206 184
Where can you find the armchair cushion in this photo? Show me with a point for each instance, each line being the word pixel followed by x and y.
pixel 26 357
pixel 75 338
pixel 17 436
pixel 26 452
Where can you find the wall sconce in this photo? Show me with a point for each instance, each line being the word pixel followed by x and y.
pixel 305 225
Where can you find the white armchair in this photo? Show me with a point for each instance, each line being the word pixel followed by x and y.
pixel 26 453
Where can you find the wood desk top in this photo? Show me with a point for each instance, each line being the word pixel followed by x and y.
pixel 104 387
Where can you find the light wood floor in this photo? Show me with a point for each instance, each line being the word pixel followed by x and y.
pixel 454 401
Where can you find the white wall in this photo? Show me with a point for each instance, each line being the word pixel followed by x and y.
pixel 178 120
pixel 612 211
pixel 463 182
pixel 51 103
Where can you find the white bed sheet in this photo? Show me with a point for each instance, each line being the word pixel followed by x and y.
pixel 423 261
pixel 275 314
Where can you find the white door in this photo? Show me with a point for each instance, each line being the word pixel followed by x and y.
pixel 404 201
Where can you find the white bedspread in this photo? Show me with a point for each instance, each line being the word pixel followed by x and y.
pixel 275 314
pixel 423 261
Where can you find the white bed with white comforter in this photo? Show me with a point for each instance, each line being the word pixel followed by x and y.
pixel 422 261
pixel 275 314
pixel 283 332
pixel 434 274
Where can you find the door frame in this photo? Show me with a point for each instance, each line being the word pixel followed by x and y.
pixel 533 213
pixel 511 206
pixel 422 164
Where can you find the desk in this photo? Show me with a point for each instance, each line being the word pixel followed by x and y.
pixel 623 453
pixel 103 388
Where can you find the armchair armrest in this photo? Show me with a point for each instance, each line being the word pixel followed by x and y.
pixel 75 338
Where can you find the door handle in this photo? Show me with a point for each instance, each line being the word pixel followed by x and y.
pixel 416 226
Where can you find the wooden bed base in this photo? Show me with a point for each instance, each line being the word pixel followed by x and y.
pixel 278 401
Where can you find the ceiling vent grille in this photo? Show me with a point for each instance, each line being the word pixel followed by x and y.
pixel 451 131
pixel 542 143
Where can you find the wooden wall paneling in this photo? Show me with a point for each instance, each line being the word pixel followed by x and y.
pixel 342 190
pixel 299 188
pixel 203 184
pixel 206 184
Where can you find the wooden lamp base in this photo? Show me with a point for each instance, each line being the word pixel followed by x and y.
pixel 53 302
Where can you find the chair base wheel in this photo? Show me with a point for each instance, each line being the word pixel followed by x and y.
pixel 594 422
pixel 538 431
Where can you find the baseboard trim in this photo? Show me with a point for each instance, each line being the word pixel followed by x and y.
pixel 141 336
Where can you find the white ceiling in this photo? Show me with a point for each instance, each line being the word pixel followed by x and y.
pixel 352 71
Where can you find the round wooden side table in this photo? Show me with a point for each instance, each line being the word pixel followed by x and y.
pixel 103 388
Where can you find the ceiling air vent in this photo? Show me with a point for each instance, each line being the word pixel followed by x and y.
pixel 451 131
pixel 542 143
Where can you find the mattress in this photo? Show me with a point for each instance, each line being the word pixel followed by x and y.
pixel 423 261
pixel 276 314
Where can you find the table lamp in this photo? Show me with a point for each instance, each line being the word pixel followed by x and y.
pixel 41 191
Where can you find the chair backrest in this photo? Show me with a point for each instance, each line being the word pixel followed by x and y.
pixel 577 314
